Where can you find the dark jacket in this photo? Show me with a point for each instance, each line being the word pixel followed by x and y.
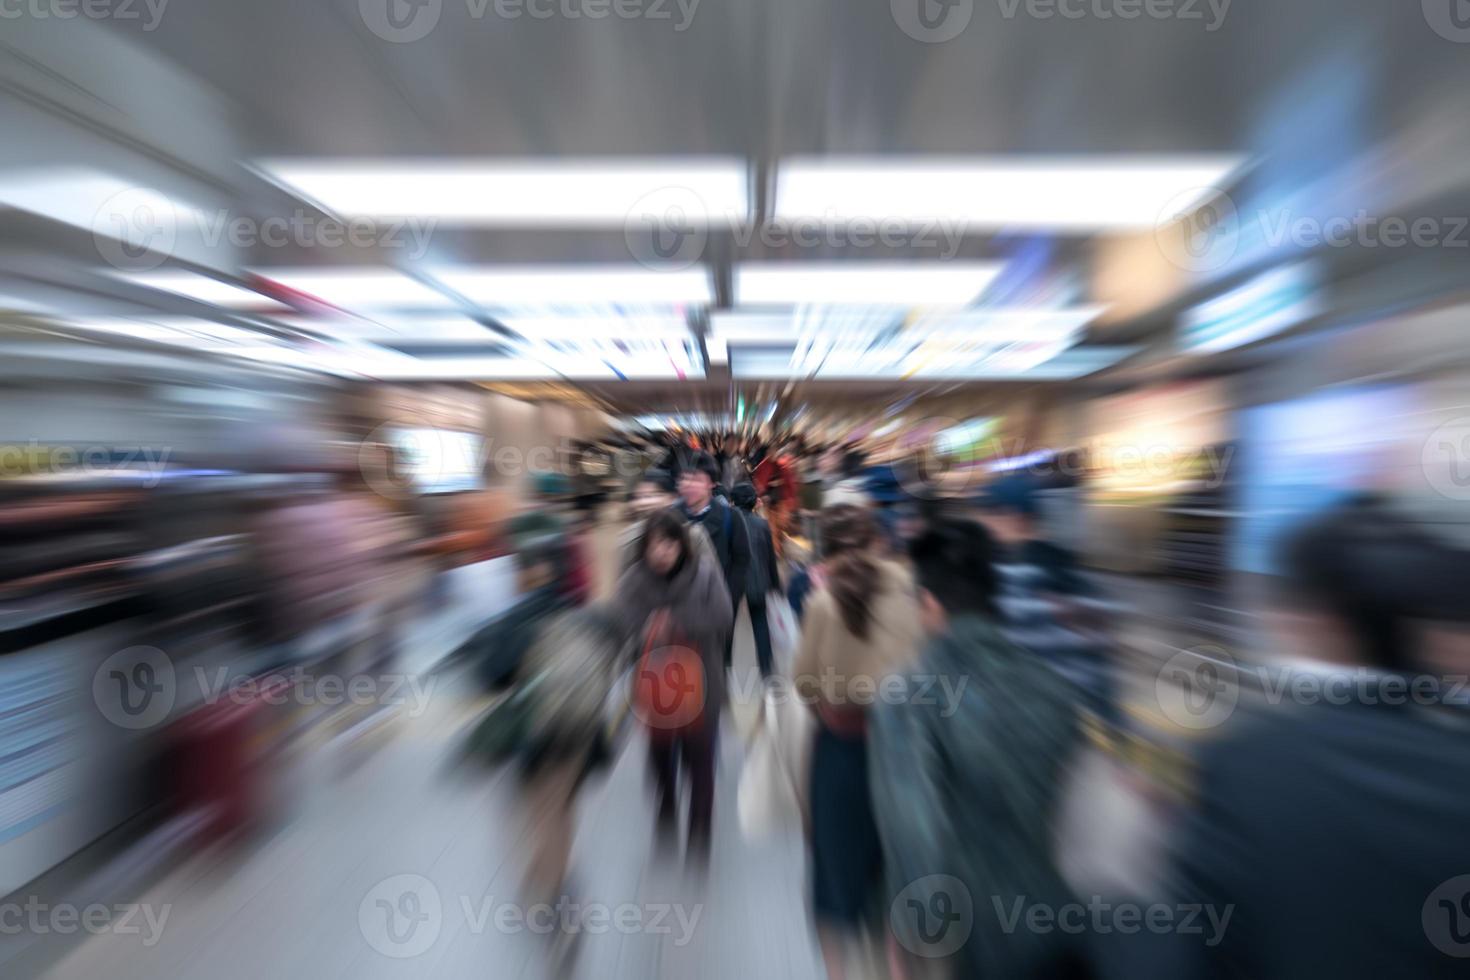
pixel 798 590
pixel 967 786
pixel 698 603
pixel 1331 829
pixel 722 524
pixel 763 574
pixel 1045 608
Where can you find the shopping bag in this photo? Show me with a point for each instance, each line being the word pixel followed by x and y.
pixel 772 796
pixel 782 623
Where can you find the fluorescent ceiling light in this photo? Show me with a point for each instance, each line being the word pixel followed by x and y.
pixel 203 289
pixel 125 327
pixel 554 192
pixel 1078 362
pixel 399 328
pixel 610 362
pixel 574 286
pixel 180 331
pixel 982 194
pixel 360 289
pixel 610 357
pixel 745 328
pixel 608 328
pixel 104 203
pixel 745 325
pixel 973 326
pixel 219 333
pixel 1005 325
pixel 650 365
pixel 899 284
pixel 464 369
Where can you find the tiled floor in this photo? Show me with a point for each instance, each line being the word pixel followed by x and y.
pixel 303 904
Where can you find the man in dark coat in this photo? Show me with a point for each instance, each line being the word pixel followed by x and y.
pixel 763 575
pixel 1334 822
pixel 698 504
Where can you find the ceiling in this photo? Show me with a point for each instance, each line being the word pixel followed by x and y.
pixel 202 104
pixel 768 78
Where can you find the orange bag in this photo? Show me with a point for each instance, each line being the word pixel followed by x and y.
pixel 669 690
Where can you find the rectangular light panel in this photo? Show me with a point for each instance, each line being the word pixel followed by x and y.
pixel 984 194
pixel 203 289
pixel 569 287
pixel 898 284
pixel 631 327
pixel 552 192
pixel 360 288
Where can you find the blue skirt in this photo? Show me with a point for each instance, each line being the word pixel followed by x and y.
pixel 847 858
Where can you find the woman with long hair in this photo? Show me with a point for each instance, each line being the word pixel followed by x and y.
pixel 862 625
pixel 673 602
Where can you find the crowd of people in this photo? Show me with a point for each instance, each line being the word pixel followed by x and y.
pixel 956 661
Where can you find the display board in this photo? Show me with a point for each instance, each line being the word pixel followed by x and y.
pixel 1298 457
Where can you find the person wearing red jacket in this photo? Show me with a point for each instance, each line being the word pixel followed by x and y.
pixel 775 481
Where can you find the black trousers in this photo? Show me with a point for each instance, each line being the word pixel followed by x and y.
pixel 761 627
pixel 694 751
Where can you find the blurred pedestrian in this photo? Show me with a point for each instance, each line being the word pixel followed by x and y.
pixel 966 783
pixel 571 668
pixel 1333 826
pixel 861 626
pixel 845 482
pixel 775 479
pixel 763 575
pixel 654 492
pixel 673 603
pixel 699 505
pixel 1046 603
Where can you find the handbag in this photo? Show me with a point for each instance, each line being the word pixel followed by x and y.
pixel 772 797
pixel 668 693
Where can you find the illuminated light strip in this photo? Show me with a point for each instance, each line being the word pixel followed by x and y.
pixel 965 195
pixel 551 192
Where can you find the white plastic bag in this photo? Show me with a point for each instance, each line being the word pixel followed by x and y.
pixel 772 794
pixel 782 622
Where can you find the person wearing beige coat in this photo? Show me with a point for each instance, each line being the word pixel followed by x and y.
pixel 861 627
